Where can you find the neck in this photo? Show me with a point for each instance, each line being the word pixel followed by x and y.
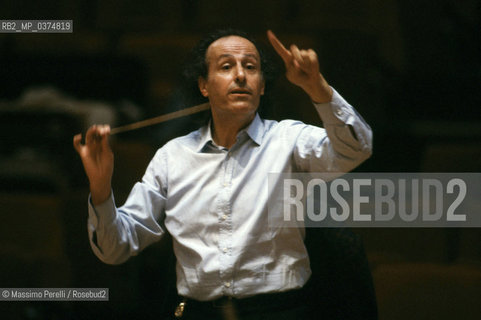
pixel 225 129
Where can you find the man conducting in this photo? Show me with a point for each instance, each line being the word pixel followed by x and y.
pixel 209 189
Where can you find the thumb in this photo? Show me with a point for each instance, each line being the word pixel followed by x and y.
pixel 77 142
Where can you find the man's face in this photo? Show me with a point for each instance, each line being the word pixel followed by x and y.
pixel 234 81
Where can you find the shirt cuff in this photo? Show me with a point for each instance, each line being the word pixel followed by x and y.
pixel 335 112
pixel 102 214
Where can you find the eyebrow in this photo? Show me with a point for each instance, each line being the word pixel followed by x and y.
pixel 249 55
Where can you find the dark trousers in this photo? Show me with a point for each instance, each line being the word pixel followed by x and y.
pixel 291 313
pixel 284 305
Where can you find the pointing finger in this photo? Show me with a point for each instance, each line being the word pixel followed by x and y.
pixel 279 47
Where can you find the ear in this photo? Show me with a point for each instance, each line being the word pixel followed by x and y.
pixel 263 86
pixel 203 86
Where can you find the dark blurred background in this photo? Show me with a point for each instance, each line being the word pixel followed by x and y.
pixel 411 68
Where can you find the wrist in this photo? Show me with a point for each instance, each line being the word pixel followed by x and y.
pixel 320 92
pixel 100 195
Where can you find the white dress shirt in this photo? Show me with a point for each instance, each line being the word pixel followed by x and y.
pixel 213 201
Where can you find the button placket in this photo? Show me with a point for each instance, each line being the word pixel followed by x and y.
pixel 225 236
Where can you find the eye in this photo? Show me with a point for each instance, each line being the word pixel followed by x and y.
pixel 225 66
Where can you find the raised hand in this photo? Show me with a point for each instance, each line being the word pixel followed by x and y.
pixel 302 69
pixel 98 161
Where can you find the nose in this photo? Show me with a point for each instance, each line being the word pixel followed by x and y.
pixel 240 76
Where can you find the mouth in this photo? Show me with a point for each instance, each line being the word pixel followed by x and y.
pixel 240 91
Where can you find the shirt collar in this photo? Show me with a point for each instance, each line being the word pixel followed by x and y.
pixel 255 131
pixel 205 136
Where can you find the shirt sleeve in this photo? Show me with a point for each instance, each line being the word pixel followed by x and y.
pixel 116 234
pixel 343 143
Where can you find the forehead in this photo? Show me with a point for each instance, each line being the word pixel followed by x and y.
pixel 231 45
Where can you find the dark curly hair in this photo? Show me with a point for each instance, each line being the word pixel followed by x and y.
pixel 197 66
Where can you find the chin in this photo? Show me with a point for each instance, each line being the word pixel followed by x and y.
pixel 244 109
pixel 244 106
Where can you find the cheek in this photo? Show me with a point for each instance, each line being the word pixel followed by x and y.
pixel 219 84
pixel 260 85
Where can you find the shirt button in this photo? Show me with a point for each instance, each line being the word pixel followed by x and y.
pixel 225 250
pixel 224 217
pixel 227 284
pixel 339 112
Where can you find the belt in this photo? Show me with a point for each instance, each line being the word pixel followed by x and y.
pixel 260 302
